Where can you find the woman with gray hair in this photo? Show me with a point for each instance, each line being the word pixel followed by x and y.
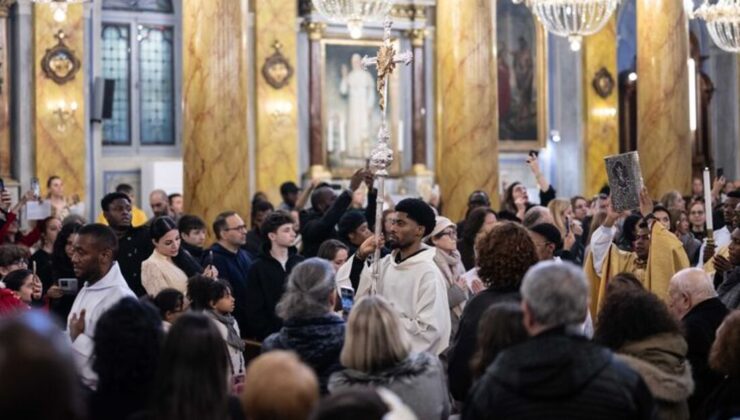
pixel 310 326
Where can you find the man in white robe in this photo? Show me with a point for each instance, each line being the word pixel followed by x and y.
pixel 409 278
pixel 94 264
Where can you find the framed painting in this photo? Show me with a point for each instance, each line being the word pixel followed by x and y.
pixel 351 110
pixel 522 78
pixel 111 179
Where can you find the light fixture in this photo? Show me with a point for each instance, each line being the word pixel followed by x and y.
pixel 64 112
pixel 572 19
pixel 723 23
pixel 632 77
pixel 59 7
pixel 353 13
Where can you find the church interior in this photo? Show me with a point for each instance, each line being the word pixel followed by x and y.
pixel 369 209
pixel 221 99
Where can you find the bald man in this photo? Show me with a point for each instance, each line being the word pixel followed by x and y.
pixel 693 300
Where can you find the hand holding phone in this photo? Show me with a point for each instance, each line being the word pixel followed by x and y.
pixel 36 187
pixel 348 299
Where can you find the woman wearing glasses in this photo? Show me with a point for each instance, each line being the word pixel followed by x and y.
pixel 444 239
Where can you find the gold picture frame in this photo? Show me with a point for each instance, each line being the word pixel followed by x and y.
pixel 516 133
pixel 59 62
pixel 340 157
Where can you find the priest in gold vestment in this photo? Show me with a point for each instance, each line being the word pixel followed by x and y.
pixel 657 254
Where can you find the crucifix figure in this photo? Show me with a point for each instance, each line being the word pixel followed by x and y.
pixel 382 155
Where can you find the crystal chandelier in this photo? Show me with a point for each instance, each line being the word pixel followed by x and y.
pixel 723 23
pixel 573 19
pixel 353 13
pixel 59 7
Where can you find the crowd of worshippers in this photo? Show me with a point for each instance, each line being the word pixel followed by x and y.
pixel 561 309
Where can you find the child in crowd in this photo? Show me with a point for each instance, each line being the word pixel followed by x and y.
pixel 221 303
pixel 171 304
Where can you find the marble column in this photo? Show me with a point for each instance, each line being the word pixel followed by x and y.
pixel 276 151
pixel 23 110
pixel 467 127
pixel 419 88
pixel 215 91
pixel 5 86
pixel 601 128
pixel 317 155
pixel 663 132
pixel 60 123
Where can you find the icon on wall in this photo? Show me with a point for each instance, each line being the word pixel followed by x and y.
pixel 60 63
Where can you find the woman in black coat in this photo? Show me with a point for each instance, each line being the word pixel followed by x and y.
pixel 504 256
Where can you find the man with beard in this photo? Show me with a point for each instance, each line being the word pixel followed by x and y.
pixel 720 257
pixel 134 243
pixel 728 273
pixel 656 254
pixel 409 278
pixel 103 285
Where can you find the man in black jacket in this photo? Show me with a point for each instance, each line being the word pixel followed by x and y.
pixel 232 261
pixel 693 300
pixel 268 275
pixel 557 373
pixel 193 234
pixel 326 210
pixel 134 243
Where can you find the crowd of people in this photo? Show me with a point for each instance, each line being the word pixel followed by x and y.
pixel 564 308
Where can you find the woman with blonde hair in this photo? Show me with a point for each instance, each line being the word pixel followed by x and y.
pixel 377 353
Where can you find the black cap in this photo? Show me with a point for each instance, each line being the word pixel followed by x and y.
pixel 289 188
pixel 479 198
pixel 550 233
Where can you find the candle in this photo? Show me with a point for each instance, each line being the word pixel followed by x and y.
pixel 400 136
pixel 330 144
pixel 708 200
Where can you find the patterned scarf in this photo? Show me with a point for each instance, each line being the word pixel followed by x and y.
pixel 232 338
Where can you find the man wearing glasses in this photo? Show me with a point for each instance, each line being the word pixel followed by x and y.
pixel 232 261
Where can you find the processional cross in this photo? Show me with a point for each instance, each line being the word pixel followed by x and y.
pixel 382 155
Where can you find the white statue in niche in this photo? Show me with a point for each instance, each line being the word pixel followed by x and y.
pixel 358 86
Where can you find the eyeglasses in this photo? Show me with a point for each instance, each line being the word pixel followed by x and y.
pixel 19 262
pixel 241 227
pixel 451 233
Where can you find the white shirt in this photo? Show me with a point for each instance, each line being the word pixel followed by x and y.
pixel 722 238
pixel 418 291
pixel 601 240
pixel 95 299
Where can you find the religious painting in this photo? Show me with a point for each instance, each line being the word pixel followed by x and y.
pixel 111 179
pixel 522 78
pixel 351 112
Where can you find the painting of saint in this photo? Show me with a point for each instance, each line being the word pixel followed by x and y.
pixel 521 77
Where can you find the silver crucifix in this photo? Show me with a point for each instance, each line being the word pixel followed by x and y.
pixel 382 154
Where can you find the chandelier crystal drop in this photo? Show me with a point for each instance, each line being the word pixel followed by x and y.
pixel 353 13
pixel 572 19
pixel 723 23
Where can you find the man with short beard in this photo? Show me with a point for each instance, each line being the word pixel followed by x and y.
pixel 409 278
pixel 102 286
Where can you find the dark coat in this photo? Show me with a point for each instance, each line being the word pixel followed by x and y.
pixel 265 286
pixel 558 376
pixel 197 252
pixel 463 347
pixel 723 403
pixel 700 325
pixel 318 227
pixel 317 341
pixel 134 247
pixel 234 268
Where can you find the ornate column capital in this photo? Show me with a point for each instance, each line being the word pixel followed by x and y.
pixel 5 7
pixel 315 30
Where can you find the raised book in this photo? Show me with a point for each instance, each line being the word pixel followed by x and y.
pixel 625 180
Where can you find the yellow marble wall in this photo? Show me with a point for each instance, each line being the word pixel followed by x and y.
pixel 663 132
pixel 467 131
pixel 215 107
pixel 601 128
pixel 276 151
pixel 58 152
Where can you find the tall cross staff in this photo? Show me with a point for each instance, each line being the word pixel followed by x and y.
pixel 382 155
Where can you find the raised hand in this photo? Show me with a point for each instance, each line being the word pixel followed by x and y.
pixel 369 246
pixel 646 203
pixel 356 180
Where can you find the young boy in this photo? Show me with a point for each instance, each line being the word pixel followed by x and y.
pixel 193 234
pixel 267 276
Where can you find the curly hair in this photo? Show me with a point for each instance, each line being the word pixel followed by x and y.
pixel 504 256
pixel 724 356
pixel 632 315
pixel 128 340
